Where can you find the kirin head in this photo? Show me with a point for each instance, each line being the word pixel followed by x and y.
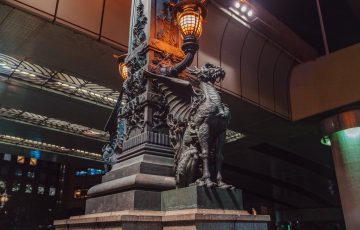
pixel 208 73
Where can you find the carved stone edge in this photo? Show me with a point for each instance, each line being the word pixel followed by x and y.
pixel 145 158
pixel 141 181
pixel 146 137
pixel 165 217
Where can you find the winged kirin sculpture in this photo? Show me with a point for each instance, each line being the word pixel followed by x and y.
pixel 197 119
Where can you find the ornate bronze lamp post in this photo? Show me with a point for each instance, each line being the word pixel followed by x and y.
pixel 165 131
pixel 183 113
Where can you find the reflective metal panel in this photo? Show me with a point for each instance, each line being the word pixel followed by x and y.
pixel 82 13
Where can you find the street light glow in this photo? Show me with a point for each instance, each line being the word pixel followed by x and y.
pixel 250 13
pixel 243 9
pixel 237 5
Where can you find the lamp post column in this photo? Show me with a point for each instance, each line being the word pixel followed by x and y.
pixel 139 153
pixel 344 133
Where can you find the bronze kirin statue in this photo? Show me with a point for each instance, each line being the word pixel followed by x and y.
pixel 197 119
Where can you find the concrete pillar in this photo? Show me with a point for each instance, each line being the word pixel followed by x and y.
pixel 343 130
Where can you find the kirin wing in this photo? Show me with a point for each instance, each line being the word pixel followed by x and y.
pixel 178 95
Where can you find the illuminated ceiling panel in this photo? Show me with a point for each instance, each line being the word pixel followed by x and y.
pixel 58 82
pixel 52 123
pixel 32 144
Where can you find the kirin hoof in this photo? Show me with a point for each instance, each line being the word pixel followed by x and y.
pixel 223 185
pixel 205 182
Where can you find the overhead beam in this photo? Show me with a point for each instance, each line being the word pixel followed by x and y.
pixel 54 124
pixel 39 134
pixel 23 97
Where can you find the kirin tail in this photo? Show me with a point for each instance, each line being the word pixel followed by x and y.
pixel 185 167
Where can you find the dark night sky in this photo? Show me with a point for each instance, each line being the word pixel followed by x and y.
pixel 342 23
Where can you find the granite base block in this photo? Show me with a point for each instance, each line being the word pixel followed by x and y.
pixel 143 164
pixel 201 197
pixel 133 184
pixel 129 200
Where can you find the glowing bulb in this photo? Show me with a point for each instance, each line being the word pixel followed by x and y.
pixel 237 5
pixel 250 13
pixel 123 71
pixel 243 9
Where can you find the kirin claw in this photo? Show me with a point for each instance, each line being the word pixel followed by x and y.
pixel 223 185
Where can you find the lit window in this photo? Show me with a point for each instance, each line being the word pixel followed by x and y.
pixel 81 173
pixel 89 172
pixel 31 175
pixel 52 191
pixel 7 157
pixel 80 193
pixel 41 190
pixel 21 159
pixel 35 154
pixel 2 185
pixel 18 172
pixel 94 172
pixel 33 161
pixel 28 188
pixel 15 187
pixel 77 194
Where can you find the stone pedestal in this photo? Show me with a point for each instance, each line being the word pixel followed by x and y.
pixel 136 182
pixel 191 219
pixel 201 198
pixel 187 208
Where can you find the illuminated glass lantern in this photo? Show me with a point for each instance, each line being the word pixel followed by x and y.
pixel 190 15
pixel 190 23
pixel 123 71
